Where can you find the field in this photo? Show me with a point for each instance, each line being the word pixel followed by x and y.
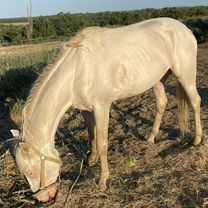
pixel 15 24
pixel 170 173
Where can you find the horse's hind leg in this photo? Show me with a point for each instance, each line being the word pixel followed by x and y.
pixel 90 124
pixel 195 101
pixel 187 79
pixel 161 102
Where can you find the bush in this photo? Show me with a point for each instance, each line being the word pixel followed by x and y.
pixel 66 24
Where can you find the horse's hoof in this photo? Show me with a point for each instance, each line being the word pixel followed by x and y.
pixel 151 141
pixel 102 187
pixel 91 163
pixel 92 160
pixel 196 142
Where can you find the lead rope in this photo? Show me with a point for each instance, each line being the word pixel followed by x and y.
pixel 42 175
pixel 69 192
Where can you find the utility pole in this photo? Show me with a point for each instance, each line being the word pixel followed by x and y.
pixel 30 21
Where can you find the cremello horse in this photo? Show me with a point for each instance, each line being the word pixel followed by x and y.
pixel 97 67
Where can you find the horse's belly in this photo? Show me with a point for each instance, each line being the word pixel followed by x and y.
pixel 133 82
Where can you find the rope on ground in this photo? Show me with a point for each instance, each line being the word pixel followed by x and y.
pixel 77 178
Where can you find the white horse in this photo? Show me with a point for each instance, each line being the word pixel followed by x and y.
pixel 97 67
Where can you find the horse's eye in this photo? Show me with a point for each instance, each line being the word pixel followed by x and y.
pixel 30 174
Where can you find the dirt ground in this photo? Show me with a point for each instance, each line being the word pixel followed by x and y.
pixel 170 173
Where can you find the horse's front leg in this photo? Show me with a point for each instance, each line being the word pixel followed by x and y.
pixel 90 124
pixel 101 113
pixel 161 102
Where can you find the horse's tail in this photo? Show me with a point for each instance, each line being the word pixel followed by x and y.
pixel 183 109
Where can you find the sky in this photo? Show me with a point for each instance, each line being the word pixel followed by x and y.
pixel 18 8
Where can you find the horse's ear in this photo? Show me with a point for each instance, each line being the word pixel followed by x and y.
pixel 15 133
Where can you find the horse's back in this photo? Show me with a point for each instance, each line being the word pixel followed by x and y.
pixel 141 31
pixel 128 60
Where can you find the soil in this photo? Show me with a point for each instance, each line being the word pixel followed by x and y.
pixel 170 173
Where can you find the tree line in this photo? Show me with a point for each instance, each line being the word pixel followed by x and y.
pixel 65 25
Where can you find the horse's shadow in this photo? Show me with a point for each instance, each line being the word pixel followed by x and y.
pixel 203 92
pixel 14 88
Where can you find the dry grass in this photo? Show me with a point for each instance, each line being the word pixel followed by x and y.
pixel 30 48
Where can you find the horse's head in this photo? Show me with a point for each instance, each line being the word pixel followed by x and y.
pixel 40 170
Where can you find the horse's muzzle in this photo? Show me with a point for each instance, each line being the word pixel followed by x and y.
pixel 46 194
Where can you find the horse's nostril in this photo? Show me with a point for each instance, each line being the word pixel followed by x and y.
pixel 52 192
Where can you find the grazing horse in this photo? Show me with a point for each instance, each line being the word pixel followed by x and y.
pixel 97 67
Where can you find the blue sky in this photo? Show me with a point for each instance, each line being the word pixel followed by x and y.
pixel 18 8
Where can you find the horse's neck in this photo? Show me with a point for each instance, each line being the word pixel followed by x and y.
pixel 44 120
pixel 37 138
pixel 54 99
